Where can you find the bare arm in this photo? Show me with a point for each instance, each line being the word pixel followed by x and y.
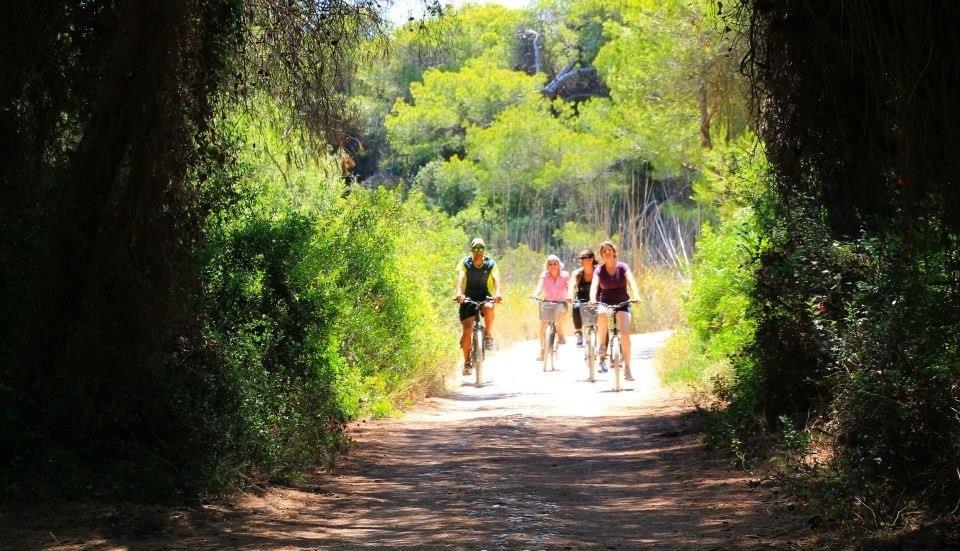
pixel 539 289
pixel 461 278
pixel 574 279
pixel 594 288
pixel 632 283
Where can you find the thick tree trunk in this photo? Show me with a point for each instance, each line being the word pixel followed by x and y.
pixel 118 261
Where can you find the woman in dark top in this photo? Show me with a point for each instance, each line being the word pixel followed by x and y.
pixel 611 280
pixel 580 281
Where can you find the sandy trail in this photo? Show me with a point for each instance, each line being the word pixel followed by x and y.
pixel 531 460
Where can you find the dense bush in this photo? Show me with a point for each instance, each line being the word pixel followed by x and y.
pixel 856 294
pixel 718 321
pixel 317 303
pixel 840 350
pixel 320 304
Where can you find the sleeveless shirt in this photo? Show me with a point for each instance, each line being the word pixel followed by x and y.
pixel 613 288
pixel 479 279
pixel 555 289
pixel 583 286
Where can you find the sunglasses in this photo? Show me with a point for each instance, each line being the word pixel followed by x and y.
pixel 586 258
pixel 478 249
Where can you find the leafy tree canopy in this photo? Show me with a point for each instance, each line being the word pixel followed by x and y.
pixel 445 103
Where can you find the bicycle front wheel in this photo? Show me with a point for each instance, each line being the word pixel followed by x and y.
pixel 591 346
pixel 553 351
pixel 616 361
pixel 547 347
pixel 478 355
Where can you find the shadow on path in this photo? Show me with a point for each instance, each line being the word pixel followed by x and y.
pixel 533 461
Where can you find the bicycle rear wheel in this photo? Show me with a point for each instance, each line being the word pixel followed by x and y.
pixel 616 361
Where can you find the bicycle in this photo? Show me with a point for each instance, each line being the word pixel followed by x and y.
pixel 588 313
pixel 550 310
pixel 613 349
pixel 477 351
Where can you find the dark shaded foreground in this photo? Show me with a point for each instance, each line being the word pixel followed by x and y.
pixel 500 467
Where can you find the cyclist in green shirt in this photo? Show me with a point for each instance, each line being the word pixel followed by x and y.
pixel 478 278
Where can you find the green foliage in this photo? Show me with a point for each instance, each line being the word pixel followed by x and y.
pixel 577 236
pixel 446 103
pixel 857 290
pixel 483 34
pixel 450 185
pixel 319 309
pixel 661 300
pixel 543 157
pixel 849 339
pixel 660 60
pixel 315 304
pixel 537 176
pixel 465 134
pixel 719 320
pixel 472 31
pixel 722 279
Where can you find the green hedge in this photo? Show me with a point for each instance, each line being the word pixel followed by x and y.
pixel 315 303
pixel 322 303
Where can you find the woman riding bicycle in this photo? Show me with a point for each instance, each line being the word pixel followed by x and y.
pixel 553 285
pixel 580 281
pixel 610 282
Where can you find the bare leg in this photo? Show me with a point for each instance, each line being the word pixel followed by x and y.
pixel 465 339
pixel 602 323
pixel 488 319
pixel 543 333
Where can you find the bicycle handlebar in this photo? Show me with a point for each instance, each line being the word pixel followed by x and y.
pixel 620 305
pixel 468 300
pixel 548 301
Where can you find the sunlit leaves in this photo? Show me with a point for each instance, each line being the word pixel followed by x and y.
pixel 445 103
pixel 658 61
pixel 548 155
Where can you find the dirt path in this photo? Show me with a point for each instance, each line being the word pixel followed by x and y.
pixel 529 461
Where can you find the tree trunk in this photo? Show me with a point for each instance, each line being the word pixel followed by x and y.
pixel 118 263
pixel 705 141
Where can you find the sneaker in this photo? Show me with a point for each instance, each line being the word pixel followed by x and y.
pixel 488 343
pixel 467 369
pixel 562 340
pixel 603 365
pixel 579 340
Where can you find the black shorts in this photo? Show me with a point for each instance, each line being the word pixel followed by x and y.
pixel 624 308
pixel 468 310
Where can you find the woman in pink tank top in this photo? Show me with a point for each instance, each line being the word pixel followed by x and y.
pixel 553 285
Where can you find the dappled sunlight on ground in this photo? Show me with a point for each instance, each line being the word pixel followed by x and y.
pixel 530 460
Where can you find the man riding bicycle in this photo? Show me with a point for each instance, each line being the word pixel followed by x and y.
pixel 477 278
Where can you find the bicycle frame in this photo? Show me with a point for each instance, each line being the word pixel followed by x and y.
pixel 477 352
pixel 590 341
pixel 550 341
pixel 614 344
